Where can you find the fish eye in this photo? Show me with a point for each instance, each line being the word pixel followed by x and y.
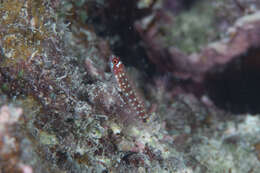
pixel 115 61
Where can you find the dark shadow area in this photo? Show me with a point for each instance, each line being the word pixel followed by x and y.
pixel 176 6
pixel 237 87
pixel 115 22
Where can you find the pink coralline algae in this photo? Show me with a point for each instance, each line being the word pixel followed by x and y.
pixel 128 93
pixel 10 153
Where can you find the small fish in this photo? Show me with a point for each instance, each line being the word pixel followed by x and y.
pixel 125 87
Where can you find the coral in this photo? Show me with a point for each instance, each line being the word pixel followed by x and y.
pixel 209 56
pixel 225 154
pixel 18 41
pixel 55 69
pixel 195 66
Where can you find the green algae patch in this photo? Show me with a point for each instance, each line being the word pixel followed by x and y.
pixel 48 139
pixel 193 29
pixel 5 87
pixel 31 107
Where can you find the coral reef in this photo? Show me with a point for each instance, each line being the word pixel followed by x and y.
pixel 61 110
pixel 174 56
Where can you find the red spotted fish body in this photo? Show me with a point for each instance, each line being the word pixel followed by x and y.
pixel 125 87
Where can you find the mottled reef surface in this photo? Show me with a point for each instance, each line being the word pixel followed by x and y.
pixel 194 63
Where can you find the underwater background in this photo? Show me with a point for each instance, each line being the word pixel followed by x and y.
pixel 106 86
